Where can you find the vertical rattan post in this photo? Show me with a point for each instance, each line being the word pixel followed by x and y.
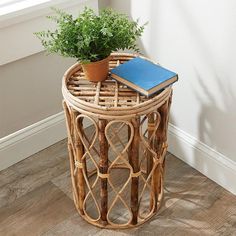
pixel 79 152
pixel 75 149
pixel 151 127
pixel 150 132
pixel 71 154
pixel 166 126
pixel 161 137
pixel 103 167
pixel 134 162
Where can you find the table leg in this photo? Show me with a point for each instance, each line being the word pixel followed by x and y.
pixel 103 167
pixel 79 152
pixel 159 145
pixel 150 132
pixel 71 154
pixel 75 149
pixel 134 162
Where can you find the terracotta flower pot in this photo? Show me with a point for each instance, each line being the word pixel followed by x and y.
pixel 96 71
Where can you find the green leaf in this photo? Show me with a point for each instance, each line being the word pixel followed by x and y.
pixel 90 37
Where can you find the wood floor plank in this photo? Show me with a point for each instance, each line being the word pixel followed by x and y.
pixel 32 172
pixel 32 205
pixel 73 226
pixel 201 211
pixel 180 179
pixel 36 212
pixel 63 182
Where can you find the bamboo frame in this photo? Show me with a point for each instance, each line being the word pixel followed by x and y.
pixel 111 107
pixel 103 167
pixel 134 162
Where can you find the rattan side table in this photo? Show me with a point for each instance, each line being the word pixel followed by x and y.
pixel 117 163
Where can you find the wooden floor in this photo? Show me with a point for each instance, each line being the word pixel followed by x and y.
pixel 36 199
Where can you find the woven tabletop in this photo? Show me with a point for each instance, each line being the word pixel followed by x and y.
pixel 108 98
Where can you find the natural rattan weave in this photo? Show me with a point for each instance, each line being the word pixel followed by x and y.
pixel 116 184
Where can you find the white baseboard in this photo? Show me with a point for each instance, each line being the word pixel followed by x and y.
pixel 25 142
pixel 34 138
pixel 206 160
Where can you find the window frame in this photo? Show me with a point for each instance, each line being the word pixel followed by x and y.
pixel 16 29
pixel 32 9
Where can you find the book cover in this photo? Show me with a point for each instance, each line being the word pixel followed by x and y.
pixel 143 76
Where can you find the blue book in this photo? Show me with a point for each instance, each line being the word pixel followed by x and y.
pixel 143 76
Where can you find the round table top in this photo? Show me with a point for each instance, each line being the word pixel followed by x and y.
pixel 108 99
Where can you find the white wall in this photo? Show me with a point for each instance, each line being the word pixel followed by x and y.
pixel 30 90
pixel 103 3
pixel 197 40
pixel 30 82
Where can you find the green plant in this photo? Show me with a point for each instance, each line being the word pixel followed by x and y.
pixel 90 37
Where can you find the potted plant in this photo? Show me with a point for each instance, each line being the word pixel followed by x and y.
pixel 90 38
